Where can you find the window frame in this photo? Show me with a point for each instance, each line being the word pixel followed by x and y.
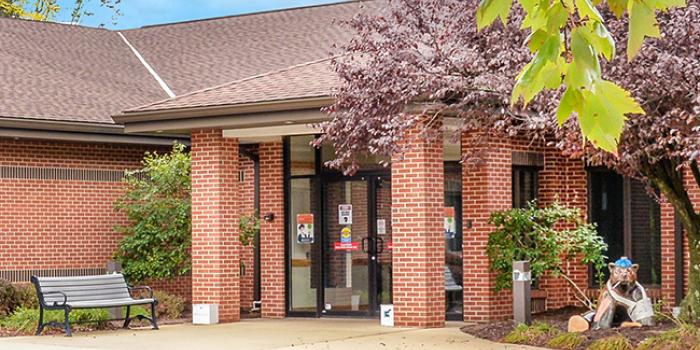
pixel 515 185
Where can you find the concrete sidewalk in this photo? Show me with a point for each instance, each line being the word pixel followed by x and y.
pixel 290 333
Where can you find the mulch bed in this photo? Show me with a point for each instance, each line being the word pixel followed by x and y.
pixel 495 331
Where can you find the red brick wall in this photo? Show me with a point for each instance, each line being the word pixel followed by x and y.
pixel 65 223
pixel 272 273
pixel 418 239
pixel 48 224
pixel 215 243
pixel 486 188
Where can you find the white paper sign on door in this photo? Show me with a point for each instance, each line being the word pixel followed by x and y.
pixel 345 214
pixel 381 226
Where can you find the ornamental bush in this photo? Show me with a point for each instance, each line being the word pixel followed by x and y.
pixel 546 237
pixel 157 204
pixel 8 298
pixel 169 305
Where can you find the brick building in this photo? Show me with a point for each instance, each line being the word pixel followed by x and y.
pixel 246 92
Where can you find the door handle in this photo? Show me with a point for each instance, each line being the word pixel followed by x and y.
pixel 379 243
pixel 364 246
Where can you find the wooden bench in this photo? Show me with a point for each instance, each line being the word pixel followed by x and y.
pixel 88 292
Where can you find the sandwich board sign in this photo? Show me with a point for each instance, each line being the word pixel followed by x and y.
pixel 305 228
pixel 345 214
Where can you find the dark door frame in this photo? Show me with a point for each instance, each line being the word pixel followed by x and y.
pixel 372 178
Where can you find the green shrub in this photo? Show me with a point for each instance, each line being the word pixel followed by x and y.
pixel 157 204
pixel 26 320
pixel 567 341
pixel 26 296
pixel 617 342
pixel 169 305
pixel 524 334
pixel 685 337
pixel 8 298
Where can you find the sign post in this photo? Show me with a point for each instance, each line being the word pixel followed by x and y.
pixel 522 303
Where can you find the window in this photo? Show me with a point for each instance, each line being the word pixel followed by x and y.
pixel 629 221
pixel 525 185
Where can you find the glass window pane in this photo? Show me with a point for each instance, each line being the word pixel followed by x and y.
pixel 367 163
pixel 607 213
pixel 304 262
pixel 524 186
pixel 646 234
pixel 302 155
pixel 453 242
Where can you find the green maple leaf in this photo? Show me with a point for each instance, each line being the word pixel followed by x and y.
pixel 642 24
pixel 617 7
pixel 605 109
pixel 489 10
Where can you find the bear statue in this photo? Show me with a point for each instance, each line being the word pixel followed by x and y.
pixel 623 299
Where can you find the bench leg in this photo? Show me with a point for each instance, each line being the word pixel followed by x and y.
pixel 66 323
pixel 127 320
pixel 153 314
pixel 40 327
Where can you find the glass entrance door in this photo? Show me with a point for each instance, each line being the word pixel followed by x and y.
pixel 356 245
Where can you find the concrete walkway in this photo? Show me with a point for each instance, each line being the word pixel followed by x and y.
pixel 291 333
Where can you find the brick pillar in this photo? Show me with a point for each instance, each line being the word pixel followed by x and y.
pixel 486 187
pixel 272 233
pixel 419 244
pixel 668 253
pixel 215 244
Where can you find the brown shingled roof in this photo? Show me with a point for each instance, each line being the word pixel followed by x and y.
pixel 307 80
pixel 195 55
pixel 70 73
pixel 60 72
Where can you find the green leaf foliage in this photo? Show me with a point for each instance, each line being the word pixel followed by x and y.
pixel 157 205
pixel 568 38
pixel 489 10
pixel 25 320
pixel 545 237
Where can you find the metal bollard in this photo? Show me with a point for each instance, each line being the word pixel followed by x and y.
pixel 522 298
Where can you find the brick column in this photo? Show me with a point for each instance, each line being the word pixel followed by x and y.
pixel 419 243
pixel 486 187
pixel 215 244
pixel 272 233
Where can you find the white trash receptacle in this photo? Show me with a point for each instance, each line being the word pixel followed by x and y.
pixel 387 315
pixel 205 314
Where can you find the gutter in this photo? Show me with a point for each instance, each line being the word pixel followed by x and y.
pixel 81 132
pixel 223 110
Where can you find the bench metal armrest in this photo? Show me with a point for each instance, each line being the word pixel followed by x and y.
pixel 147 288
pixel 55 303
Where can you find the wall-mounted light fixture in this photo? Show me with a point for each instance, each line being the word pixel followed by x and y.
pixel 269 217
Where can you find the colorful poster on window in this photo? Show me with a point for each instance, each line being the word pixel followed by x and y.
pixel 345 214
pixel 346 242
pixel 305 228
pixel 450 223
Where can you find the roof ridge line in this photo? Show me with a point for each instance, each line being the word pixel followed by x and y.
pixel 163 85
pixel 336 2
pixel 240 80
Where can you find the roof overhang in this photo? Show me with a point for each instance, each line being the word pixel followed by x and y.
pixel 79 132
pixel 250 115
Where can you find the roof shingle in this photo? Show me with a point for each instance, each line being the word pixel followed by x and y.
pixel 312 79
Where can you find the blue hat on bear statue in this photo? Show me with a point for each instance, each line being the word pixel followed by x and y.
pixel 624 262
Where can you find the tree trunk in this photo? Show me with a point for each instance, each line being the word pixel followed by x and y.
pixel 669 180
pixel 690 307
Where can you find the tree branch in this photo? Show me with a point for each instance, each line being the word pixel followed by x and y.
pixel 586 302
